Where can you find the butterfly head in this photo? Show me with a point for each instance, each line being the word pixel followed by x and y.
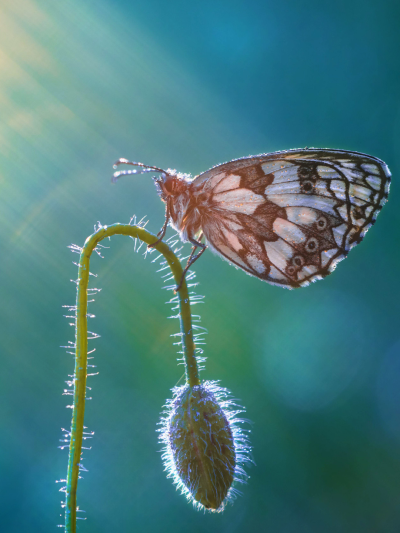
pixel 169 183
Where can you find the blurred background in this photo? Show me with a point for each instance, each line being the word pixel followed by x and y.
pixel 188 85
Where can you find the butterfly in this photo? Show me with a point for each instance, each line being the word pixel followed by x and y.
pixel 286 217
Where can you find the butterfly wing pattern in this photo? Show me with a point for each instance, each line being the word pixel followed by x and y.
pixel 289 217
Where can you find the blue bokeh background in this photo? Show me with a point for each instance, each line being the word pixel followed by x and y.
pixel 188 85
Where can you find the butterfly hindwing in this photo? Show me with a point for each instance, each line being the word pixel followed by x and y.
pixel 290 217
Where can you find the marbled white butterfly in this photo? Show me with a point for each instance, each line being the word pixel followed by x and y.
pixel 287 218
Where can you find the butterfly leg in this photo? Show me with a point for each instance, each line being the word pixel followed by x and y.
pixel 162 231
pixel 192 257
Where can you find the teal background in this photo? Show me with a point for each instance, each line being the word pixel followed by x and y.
pixel 188 85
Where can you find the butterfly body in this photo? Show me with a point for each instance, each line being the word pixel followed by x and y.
pixel 287 218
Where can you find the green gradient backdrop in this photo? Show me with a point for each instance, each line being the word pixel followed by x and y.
pixel 189 85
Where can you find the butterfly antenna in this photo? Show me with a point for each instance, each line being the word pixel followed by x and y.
pixel 143 169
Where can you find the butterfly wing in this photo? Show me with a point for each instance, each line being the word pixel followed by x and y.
pixel 289 217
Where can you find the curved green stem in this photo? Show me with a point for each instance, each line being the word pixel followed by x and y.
pixel 81 342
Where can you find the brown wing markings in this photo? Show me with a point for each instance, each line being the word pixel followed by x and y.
pixel 352 207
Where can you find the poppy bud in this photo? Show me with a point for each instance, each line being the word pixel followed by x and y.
pixel 204 447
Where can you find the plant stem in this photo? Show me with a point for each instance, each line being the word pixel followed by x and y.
pixel 81 343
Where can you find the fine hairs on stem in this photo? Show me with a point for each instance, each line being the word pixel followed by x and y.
pixel 228 448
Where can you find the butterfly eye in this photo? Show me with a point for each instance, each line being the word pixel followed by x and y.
pixel 169 184
pixel 322 223
pixel 311 245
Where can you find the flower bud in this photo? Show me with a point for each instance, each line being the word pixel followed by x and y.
pixel 204 447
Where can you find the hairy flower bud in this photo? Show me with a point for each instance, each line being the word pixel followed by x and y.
pixel 204 447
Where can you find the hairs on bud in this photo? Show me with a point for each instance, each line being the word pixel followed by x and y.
pixel 205 447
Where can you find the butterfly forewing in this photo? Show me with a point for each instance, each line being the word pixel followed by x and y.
pixel 290 217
